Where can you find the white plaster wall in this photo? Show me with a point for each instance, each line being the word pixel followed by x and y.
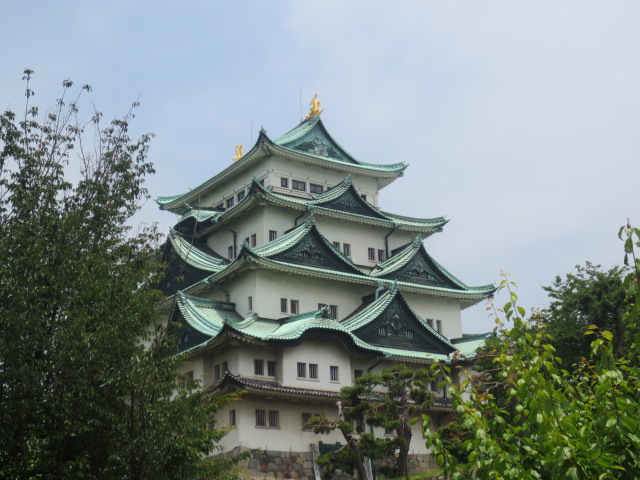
pixel 438 308
pixel 271 286
pixel 241 287
pixel 251 353
pixel 323 353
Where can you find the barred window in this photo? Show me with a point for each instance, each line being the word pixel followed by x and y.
pixel 240 195
pixel 273 234
pixel 271 368
pixel 258 367
pixel 371 253
pixel 333 373
pixel 302 370
pixel 439 326
pixel 314 188
pixel 357 373
pixel 313 370
pixel 298 185
pixel 261 418
pixel 333 310
pixel 381 256
pixel 283 305
pixel 295 307
pixel 274 418
pixel 346 249
pixel 230 202
pixel 305 420
pixel 284 182
pixel 232 417
pixel 216 372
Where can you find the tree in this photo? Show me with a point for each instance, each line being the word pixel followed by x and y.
pixel 87 382
pixel 589 296
pixel 552 423
pixel 394 410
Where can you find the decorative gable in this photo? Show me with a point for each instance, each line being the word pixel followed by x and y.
pixel 350 202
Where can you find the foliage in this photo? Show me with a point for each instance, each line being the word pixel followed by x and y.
pixel 87 389
pixel 453 437
pixel 589 296
pixel 552 423
pixel 395 411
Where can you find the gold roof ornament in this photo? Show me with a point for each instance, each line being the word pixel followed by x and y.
pixel 239 153
pixel 315 107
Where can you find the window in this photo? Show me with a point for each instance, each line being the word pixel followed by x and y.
pixel 295 307
pixel 232 417
pixel 297 185
pixel 272 235
pixel 240 196
pixel 230 202
pixel 246 240
pixel 305 420
pixel 216 372
pixel 258 367
pixel 364 197
pixel 439 326
pixel 302 370
pixel 333 374
pixel 230 253
pixel 357 373
pixel 430 322
pixel 261 182
pixel 313 370
pixel 283 305
pixel 337 245
pixel 274 418
pixel 408 333
pixel 434 386
pixel 250 303
pixel 313 188
pixel 381 255
pixel 254 240
pixel 261 420
pixel 333 310
pixel 284 182
pixel 321 305
pixel 271 368
pixel 388 431
pixel 225 367
pixel 189 377
pixel 346 249
pixel 220 206
pixel 383 330
pixel 371 252
pixel 359 424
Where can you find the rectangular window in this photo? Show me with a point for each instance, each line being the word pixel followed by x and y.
pixel 297 185
pixel 284 182
pixel 388 431
pixel 246 240
pixel 250 303
pixel 333 374
pixel 364 197
pixel 232 417
pixel 305 421
pixel 359 421
pixel 220 206
pixel 381 255
pixel 295 307
pixel 254 240
pixel 216 372
pixel 313 188
pixel 430 322
pixel 357 373
pixel 274 418
pixel 225 367
pixel 258 367
pixel 371 253
pixel 434 386
pixel 271 368
pixel 346 249
pixel 261 182
pixel 240 196
pixel 333 310
pixel 230 253
pixel 439 326
pixel 302 370
pixel 230 202
pixel 321 305
pixel 189 376
pixel 313 370
pixel 283 305
pixel 272 235
pixel 337 245
pixel 261 420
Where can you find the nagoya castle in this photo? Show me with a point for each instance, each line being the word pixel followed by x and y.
pixel 288 281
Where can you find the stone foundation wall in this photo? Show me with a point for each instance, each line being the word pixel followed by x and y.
pixel 275 465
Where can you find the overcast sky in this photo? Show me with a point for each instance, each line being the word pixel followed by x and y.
pixel 520 120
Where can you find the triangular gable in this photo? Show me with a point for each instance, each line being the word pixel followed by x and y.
pixel 311 137
pixel 388 321
pixel 347 199
pixel 305 245
pixel 411 263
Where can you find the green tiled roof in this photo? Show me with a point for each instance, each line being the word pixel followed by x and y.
pixel 166 200
pixel 206 316
pixel 312 138
pixel 467 345
pixel 324 203
pixel 195 256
